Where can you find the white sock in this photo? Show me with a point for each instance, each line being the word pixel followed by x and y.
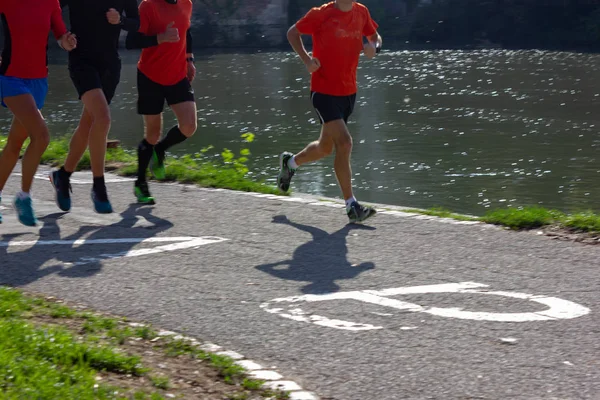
pixel 350 201
pixel 292 163
pixel 22 195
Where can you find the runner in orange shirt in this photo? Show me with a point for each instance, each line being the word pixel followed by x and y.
pixel 337 30
pixel 165 72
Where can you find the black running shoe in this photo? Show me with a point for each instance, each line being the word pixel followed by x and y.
pixel 62 187
pixel 285 173
pixel 358 213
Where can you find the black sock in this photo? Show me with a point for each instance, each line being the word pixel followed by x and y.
pixel 63 172
pixel 99 188
pixel 99 183
pixel 144 155
pixel 173 137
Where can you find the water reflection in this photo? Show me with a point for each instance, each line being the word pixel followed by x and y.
pixel 463 130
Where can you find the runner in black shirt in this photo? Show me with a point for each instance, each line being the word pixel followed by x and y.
pixel 95 70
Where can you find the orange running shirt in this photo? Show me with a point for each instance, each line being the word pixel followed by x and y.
pixel 165 64
pixel 337 43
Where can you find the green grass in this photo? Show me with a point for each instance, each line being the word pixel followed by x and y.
pixel 584 222
pixel 161 382
pixel 525 218
pixel 53 362
pixel 537 217
pixel 47 362
pixel 224 172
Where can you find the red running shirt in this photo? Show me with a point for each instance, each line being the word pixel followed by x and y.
pixel 337 43
pixel 165 64
pixel 26 24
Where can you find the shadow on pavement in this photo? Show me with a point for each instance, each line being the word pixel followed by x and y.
pixel 18 268
pixel 322 261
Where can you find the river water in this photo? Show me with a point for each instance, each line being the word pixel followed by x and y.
pixel 467 131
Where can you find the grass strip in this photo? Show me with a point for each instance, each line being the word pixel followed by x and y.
pixel 224 171
pixel 51 351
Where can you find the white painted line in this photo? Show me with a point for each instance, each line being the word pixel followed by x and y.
pixel 210 347
pixel 249 365
pixel 231 354
pixel 80 242
pixel 265 375
pixel 286 386
pixel 180 244
pixel 557 308
pixel 303 396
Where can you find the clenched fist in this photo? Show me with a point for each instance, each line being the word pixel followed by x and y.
pixel 113 17
pixel 313 65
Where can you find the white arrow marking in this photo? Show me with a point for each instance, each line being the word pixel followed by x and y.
pixel 181 243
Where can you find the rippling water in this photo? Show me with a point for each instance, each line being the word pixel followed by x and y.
pixel 467 131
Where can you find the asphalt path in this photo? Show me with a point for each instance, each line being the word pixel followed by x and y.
pixel 404 307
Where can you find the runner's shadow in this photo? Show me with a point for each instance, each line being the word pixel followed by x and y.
pixel 75 260
pixel 322 261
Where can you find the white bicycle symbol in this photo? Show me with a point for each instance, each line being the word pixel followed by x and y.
pixel 288 307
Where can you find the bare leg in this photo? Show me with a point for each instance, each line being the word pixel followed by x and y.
pixel 153 126
pixel 10 155
pixel 97 107
pixel 79 141
pixel 187 118
pixel 25 110
pixel 334 134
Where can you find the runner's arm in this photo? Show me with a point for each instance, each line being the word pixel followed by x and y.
pixel 188 45
pixel 136 37
pixel 131 22
pixel 137 40
pixel 295 38
pixel 57 24
pixel 377 40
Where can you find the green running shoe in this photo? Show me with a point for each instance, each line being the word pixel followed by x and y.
pixel 157 166
pixel 142 193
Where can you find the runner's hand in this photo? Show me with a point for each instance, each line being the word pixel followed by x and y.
pixel 170 35
pixel 113 17
pixel 370 50
pixel 313 65
pixel 68 41
pixel 191 71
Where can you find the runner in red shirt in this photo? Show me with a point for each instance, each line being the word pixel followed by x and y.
pixel 337 30
pixel 24 85
pixel 165 72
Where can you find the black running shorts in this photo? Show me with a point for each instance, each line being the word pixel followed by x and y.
pixel 152 95
pixel 330 108
pixel 88 74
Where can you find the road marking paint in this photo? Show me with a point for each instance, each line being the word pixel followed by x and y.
pixel 180 244
pixel 557 308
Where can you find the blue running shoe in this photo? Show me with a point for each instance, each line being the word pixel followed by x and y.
pixel 25 211
pixel 62 187
pixel 100 199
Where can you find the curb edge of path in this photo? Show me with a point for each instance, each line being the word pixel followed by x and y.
pixel 273 379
